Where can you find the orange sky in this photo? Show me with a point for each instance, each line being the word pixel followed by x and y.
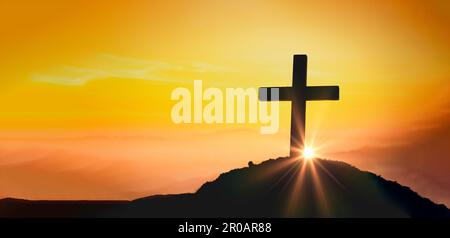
pixel 85 91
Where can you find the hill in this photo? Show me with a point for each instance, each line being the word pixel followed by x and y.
pixel 280 187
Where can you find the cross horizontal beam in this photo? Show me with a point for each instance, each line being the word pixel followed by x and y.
pixel 322 93
pixel 313 93
pixel 284 93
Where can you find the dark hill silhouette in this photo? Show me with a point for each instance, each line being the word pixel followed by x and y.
pixel 275 188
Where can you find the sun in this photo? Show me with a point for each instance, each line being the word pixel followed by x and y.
pixel 308 153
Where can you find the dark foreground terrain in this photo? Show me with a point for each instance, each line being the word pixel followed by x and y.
pixel 282 187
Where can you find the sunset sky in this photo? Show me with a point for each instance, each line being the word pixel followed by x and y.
pixel 85 91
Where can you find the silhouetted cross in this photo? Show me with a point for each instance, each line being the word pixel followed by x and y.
pixel 299 93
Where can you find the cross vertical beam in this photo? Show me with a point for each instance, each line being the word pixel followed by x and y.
pixel 298 106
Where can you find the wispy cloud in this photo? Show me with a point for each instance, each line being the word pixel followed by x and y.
pixel 113 66
pixel 60 79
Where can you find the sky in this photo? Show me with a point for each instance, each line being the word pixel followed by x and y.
pixel 85 91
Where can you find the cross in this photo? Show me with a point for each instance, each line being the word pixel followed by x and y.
pixel 298 94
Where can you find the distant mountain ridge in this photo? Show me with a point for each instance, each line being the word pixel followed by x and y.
pixel 280 187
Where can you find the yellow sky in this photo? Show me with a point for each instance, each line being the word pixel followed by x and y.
pixel 85 87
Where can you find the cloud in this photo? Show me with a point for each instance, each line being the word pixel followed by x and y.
pixel 62 80
pixel 421 161
pixel 113 66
